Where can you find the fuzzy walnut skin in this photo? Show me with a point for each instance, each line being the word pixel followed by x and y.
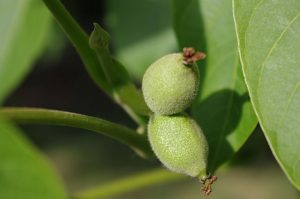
pixel 179 143
pixel 169 86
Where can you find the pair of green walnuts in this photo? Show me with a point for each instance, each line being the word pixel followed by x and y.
pixel 169 86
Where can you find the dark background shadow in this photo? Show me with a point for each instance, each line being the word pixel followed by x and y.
pixel 218 116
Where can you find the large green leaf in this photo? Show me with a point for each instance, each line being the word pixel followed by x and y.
pixel 269 43
pixel 24 174
pixel 222 109
pixel 141 32
pixel 23 28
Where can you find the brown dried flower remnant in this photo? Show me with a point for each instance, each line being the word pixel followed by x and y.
pixel 207 184
pixel 190 55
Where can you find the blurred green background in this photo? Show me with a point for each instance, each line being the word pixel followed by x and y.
pixel 141 32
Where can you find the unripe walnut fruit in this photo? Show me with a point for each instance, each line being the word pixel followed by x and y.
pixel 169 86
pixel 179 144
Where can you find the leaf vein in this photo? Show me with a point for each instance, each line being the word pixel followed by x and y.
pixel 274 46
pixel 290 99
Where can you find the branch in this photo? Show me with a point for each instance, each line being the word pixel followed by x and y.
pixel 130 183
pixel 53 117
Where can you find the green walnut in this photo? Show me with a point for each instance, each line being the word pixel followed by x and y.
pixel 170 86
pixel 179 144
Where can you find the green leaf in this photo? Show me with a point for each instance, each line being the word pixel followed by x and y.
pixel 124 91
pixel 222 109
pixel 141 32
pixel 269 45
pixel 24 173
pixel 99 38
pixel 116 74
pixel 188 24
pixel 24 25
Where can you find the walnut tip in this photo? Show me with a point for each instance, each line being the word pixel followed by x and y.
pixel 190 55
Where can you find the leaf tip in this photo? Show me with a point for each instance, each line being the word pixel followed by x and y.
pixel 99 38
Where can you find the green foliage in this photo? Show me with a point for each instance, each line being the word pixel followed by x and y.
pixel 99 63
pixel 24 25
pixel 124 91
pixel 269 45
pixel 24 172
pixel 223 108
pixel 141 32
pixel 21 23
